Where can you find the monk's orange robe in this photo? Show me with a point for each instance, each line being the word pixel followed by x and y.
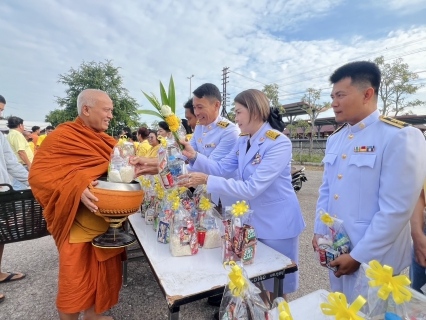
pixel 65 165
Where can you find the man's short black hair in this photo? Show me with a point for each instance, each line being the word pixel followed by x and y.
pixel 35 128
pixel 14 122
pixel 50 128
pixel 127 132
pixel 2 99
pixel 362 74
pixel 189 105
pixel 208 90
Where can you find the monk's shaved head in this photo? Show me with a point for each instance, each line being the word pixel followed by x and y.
pixel 88 98
pixel 95 109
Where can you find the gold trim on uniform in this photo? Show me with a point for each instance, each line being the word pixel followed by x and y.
pixel 272 134
pixel 222 124
pixel 244 134
pixel 338 129
pixel 394 122
pixel 197 123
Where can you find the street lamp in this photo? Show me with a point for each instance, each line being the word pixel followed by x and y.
pixel 190 85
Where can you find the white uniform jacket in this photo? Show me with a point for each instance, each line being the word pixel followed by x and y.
pixel 215 141
pixel 265 185
pixel 373 174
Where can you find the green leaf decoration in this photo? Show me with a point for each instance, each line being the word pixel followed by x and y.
pixel 153 100
pixel 163 94
pixel 172 96
pixel 150 112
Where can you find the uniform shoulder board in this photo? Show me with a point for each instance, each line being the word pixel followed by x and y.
pixel 223 124
pixel 272 134
pixel 394 122
pixel 338 129
pixel 244 134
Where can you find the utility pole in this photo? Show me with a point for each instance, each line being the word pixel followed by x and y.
pixel 190 91
pixel 225 99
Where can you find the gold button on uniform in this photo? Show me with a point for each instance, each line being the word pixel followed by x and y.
pixel 336 196
pixel 209 127
pixel 339 176
pixel 361 125
pixel 344 156
pixel 204 133
pixel 351 136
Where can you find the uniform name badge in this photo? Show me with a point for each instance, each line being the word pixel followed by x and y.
pixel 257 159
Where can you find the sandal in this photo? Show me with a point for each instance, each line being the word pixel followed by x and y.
pixel 10 278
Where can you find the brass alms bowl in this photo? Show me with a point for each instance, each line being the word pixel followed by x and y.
pixel 116 201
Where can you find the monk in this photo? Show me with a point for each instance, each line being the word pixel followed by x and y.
pixel 71 158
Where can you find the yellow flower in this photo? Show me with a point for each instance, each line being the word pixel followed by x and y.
pixel 173 122
pixel 205 204
pixel 175 204
pixel 239 208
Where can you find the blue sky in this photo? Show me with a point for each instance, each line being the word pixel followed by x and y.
pixel 295 43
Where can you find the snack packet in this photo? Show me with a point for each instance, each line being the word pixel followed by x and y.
pixel 183 237
pixel 334 243
pixel 211 222
pixel 241 298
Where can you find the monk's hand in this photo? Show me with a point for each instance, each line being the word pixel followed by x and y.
pixel 345 264
pixel 192 180
pixel 189 151
pixel 87 198
pixel 144 165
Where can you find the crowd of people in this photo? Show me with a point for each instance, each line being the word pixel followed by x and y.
pixel 376 193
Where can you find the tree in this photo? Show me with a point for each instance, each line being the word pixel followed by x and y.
pixel 231 113
pixel 313 108
pixel 96 75
pixel 302 124
pixel 395 86
pixel 271 91
pixel 154 125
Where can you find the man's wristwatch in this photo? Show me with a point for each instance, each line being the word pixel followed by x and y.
pixel 193 159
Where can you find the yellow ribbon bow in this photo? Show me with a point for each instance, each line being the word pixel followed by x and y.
pixel 175 204
pixel 383 276
pixel 284 310
pixel 122 140
pixel 338 307
pixel 239 208
pixel 159 190
pixel 326 219
pixel 172 195
pixel 182 190
pixel 163 141
pixel 205 204
pixel 237 282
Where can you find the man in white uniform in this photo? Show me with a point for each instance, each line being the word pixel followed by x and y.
pixel 214 136
pixel 374 169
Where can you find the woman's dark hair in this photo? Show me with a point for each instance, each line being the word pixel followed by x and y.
pixel 275 119
pixel 186 126
pixel 143 132
pixel 363 74
pixel 2 99
pixel 14 122
pixel 156 134
pixel 189 105
pixel 134 136
pixel 163 125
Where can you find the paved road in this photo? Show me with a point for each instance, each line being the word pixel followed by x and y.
pixel 34 297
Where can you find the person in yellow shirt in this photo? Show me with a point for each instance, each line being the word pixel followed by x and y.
pixel 144 145
pixel 41 138
pixel 20 147
pixel 155 144
pixel 29 137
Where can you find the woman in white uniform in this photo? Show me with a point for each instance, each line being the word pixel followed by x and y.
pixel 262 156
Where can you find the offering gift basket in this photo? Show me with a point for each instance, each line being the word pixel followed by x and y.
pixel 21 216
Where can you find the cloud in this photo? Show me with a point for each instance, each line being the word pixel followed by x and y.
pixel 151 40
